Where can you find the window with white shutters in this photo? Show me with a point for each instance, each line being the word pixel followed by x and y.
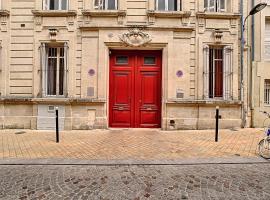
pixel 105 4
pixel 54 69
pixel 215 5
pixel 217 72
pixel 267 40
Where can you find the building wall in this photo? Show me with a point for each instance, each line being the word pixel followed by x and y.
pixel 259 69
pixel 90 35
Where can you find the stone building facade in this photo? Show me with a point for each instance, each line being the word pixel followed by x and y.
pixel 120 63
pixel 259 42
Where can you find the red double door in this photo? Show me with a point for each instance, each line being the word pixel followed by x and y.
pixel 135 89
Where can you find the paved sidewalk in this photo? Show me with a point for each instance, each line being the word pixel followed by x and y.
pixel 129 144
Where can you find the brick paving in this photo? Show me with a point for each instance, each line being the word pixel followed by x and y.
pixel 198 182
pixel 128 144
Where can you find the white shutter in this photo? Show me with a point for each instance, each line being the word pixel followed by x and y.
pixel 43 59
pixel 46 4
pixel 267 40
pixel 66 68
pixel 227 72
pixel 205 71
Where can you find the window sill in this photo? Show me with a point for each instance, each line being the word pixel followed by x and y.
pixel 165 14
pixel 54 100
pixel 218 15
pixel 104 13
pixel 204 102
pixel 4 13
pixel 54 13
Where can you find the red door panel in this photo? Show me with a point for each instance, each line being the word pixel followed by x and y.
pixel 149 99
pixel 121 96
pixel 135 89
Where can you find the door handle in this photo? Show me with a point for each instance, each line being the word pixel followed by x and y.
pixel 120 108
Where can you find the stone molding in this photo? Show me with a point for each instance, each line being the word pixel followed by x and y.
pixel 31 100
pixel 69 14
pixel 135 37
pixel 218 35
pixel 4 13
pixel 152 14
pixel 54 13
pixel 205 102
pixel 120 14
pixel 3 19
pixel 168 14
pixel 104 13
pixel 217 15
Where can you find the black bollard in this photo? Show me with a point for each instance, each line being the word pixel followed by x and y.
pixel 57 125
pixel 217 118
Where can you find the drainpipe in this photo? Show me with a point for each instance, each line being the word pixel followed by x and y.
pixel 242 66
pixel 251 64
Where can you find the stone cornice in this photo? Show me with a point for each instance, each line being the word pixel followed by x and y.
pixel 104 13
pixel 218 15
pixel 54 13
pixel 165 28
pixel 4 13
pixel 30 100
pixel 169 14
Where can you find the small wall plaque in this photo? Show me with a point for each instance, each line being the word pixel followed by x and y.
pixel 90 91
pixel 179 73
pixel 91 72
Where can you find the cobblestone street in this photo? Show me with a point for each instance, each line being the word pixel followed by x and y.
pixel 238 181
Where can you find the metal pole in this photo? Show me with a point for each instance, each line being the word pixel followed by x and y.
pixel 242 40
pixel 57 125
pixel 217 118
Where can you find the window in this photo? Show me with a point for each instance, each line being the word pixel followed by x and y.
pixel 54 68
pixel 215 5
pixel 267 40
pixel 217 72
pixel 267 91
pixel 121 60
pixel 105 4
pixel 55 4
pixel 168 5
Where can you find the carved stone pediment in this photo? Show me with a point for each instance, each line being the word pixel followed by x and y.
pixel 135 37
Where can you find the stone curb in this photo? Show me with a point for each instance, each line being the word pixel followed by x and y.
pixel 193 161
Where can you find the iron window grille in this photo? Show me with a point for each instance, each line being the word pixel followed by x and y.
pixel 267 91
pixel 105 4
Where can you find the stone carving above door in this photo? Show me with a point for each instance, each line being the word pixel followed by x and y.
pixel 135 37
